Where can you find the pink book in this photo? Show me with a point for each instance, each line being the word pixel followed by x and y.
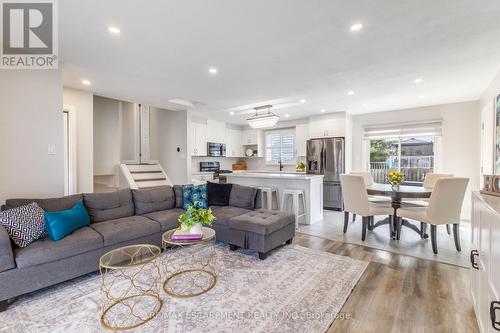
pixel 186 236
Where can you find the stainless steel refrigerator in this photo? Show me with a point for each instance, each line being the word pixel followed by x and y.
pixel 327 157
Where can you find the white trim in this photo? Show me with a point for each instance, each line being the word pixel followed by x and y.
pixel 71 187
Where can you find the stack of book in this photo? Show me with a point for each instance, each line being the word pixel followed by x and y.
pixel 185 236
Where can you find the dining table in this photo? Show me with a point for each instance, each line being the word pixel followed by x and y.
pixel 397 194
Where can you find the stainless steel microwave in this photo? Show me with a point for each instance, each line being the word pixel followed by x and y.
pixel 216 149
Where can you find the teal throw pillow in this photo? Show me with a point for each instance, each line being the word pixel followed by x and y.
pixel 192 194
pixel 62 223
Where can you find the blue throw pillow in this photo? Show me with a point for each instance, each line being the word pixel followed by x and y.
pixel 62 223
pixel 192 194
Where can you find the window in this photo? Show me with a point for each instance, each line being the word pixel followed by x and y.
pixel 280 145
pixel 413 156
pixel 409 148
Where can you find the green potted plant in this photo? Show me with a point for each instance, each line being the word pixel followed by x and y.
pixel 194 218
pixel 301 167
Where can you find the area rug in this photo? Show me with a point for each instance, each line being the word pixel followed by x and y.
pixel 296 289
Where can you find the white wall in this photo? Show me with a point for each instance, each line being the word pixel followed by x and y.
pixel 31 106
pixel 107 136
pixel 169 131
pixel 83 104
pixel 460 141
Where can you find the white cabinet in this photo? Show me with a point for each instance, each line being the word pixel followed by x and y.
pixel 253 139
pixel 250 137
pixel 233 143
pixel 216 131
pixel 301 137
pixel 327 126
pixel 485 260
pixel 199 139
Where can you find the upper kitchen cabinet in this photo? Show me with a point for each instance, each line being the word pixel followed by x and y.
pixel 199 139
pixel 331 125
pixel 233 143
pixel 216 131
pixel 250 137
pixel 301 137
pixel 253 139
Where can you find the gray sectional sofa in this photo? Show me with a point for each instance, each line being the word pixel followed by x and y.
pixel 128 217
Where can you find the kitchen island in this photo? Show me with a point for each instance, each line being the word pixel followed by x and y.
pixel 311 184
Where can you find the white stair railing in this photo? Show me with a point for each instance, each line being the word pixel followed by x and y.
pixel 144 175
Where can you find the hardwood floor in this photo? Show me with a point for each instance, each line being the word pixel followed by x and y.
pixel 398 293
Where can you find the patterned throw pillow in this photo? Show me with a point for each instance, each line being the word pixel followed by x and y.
pixel 192 194
pixel 24 224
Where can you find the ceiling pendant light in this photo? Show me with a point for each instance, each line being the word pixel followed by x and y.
pixel 264 120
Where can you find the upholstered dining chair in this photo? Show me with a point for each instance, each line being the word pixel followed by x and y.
pixel 368 178
pixel 356 202
pixel 445 206
pixel 429 182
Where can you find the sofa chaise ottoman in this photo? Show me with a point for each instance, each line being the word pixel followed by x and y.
pixel 261 230
pixel 117 219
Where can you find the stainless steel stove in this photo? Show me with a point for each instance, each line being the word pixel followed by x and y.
pixel 214 167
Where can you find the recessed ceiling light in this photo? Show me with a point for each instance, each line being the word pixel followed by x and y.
pixel 86 82
pixel 231 113
pixel 114 30
pixel 212 70
pixel 287 115
pixel 302 100
pixel 418 80
pixel 356 27
pixel 322 110
pixel 365 104
pixel 421 96
pixel 350 92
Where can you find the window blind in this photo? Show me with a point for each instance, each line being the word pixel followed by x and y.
pixel 403 130
pixel 280 145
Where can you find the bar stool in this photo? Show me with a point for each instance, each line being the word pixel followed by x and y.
pixel 294 194
pixel 268 203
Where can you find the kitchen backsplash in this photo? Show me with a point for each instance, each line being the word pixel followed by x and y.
pixel 225 162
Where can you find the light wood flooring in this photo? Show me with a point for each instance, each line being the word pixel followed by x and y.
pixel 399 293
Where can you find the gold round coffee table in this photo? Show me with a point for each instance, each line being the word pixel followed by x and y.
pixel 189 266
pixel 130 286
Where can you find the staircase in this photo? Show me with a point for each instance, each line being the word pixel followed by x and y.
pixel 144 175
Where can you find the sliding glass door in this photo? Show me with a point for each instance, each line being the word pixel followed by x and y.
pixel 414 156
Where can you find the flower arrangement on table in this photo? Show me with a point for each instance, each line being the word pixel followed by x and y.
pixel 395 178
pixel 194 218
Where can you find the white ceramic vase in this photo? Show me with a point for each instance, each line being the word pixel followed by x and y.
pixel 196 229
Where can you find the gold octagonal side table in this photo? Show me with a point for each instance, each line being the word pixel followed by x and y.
pixel 189 267
pixel 130 282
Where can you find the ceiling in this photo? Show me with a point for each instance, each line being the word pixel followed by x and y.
pixel 281 51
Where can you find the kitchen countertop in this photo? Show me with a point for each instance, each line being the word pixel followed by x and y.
pixel 270 174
